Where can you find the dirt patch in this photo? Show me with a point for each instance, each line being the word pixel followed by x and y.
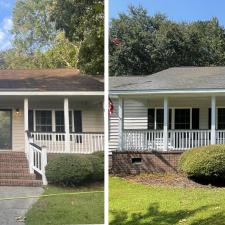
pixel 174 180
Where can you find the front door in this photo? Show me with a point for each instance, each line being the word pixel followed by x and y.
pixel 5 129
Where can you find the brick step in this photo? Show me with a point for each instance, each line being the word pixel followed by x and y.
pixel 13 161
pixel 23 176
pixel 12 154
pixel 14 170
pixel 20 182
pixel 13 164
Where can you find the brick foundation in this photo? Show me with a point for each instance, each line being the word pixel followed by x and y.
pixel 145 162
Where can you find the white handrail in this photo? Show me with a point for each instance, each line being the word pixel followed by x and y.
pixel 37 158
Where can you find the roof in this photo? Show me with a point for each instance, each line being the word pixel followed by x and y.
pixel 49 80
pixel 176 78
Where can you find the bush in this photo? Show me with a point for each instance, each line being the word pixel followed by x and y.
pixel 97 160
pixel 205 164
pixel 75 169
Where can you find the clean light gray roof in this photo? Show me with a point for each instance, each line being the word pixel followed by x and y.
pixel 177 78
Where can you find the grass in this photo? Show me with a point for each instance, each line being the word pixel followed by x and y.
pixel 68 209
pixel 131 203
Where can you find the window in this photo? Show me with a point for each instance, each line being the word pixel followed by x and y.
pixel 59 121
pixel 209 118
pixel 182 118
pixel 43 121
pixel 159 118
pixel 221 118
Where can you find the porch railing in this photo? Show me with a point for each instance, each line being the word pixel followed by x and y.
pixel 84 143
pixel 139 140
pixel 37 158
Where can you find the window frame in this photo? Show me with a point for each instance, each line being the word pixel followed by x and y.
pixel 172 116
pixel 53 117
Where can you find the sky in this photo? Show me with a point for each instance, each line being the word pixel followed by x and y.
pixel 6 7
pixel 177 10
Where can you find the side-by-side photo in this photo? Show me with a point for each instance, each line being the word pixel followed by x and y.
pixel 51 112
pixel 166 113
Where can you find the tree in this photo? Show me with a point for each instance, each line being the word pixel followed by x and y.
pixel 32 28
pixel 83 21
pixel 62 54
pixel 143 44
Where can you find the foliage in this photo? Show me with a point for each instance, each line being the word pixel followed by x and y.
pixel 69 208
pixel 62 54
pixel 204 163
pixel 57 34
pixel 32 28
pixel 143 44
pixel 83 21
pixel 74 169
pixel 97 160
pixel 139 204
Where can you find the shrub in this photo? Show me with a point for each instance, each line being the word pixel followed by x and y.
pixel 205 164
pixel 97 160
pixel 75 169
pixel 69 170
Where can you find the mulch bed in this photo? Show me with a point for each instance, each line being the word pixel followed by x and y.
pixel 173 180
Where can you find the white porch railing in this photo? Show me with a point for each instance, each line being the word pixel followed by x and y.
pixel 139 140
pixel 220 136
pixel 142 140
pixel 37 158
pixel 186 139
pixel 84 143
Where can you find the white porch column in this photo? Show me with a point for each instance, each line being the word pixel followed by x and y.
pixel 213 120
pixel 121 122
pixel 165 124
pixel 66 124
pixel 26 128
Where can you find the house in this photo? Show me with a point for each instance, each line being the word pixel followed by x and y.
pixel 46 112
pixel 157 117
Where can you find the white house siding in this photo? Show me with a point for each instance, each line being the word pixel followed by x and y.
pixel 18 138
pixel 136 112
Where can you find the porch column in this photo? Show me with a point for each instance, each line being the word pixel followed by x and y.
pixel 165 124
pixel 66 124
pixel 26 128
pixel 121 122
pixel 213 120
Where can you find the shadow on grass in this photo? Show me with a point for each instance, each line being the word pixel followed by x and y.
pixel 154 216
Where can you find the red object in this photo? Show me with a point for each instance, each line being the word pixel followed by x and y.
pixel 116 41
pixel 111 107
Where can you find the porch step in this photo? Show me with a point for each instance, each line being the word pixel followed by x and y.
pixel 22 176
pixel 14 170
pixel 20 182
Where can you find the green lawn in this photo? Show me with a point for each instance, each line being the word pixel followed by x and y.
pixel 137 204
pixel 68 209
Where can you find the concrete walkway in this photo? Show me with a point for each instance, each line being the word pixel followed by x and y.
pixel 10 210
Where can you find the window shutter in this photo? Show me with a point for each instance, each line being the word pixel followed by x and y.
pixel 151 119
pixel 78 121
pixel 195 118
pixel 31 120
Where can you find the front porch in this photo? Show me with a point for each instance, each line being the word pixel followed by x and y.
pixel 33 126
pixel 169 123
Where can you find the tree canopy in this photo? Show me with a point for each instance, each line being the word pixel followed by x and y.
pixel 143 44
pixel 57 34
